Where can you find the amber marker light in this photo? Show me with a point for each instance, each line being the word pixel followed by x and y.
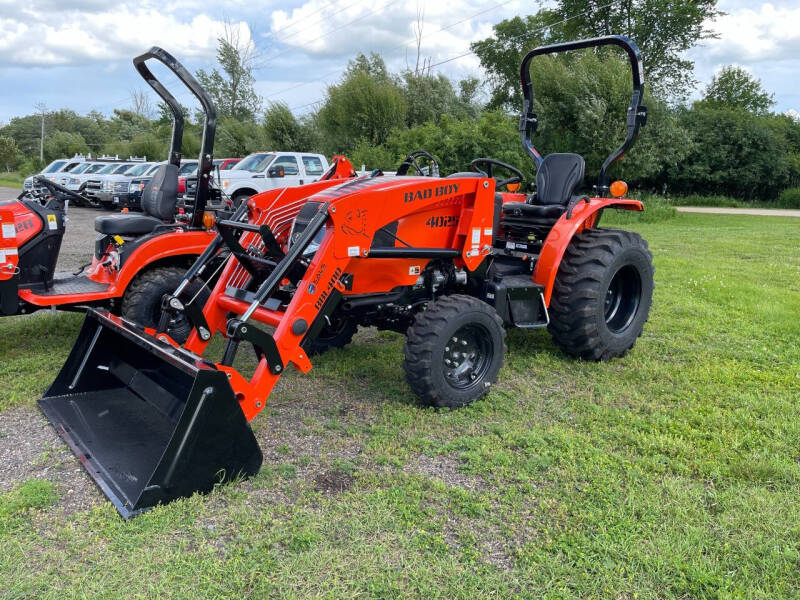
pixel 618 188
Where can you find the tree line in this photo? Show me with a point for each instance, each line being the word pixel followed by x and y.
pixel 728 142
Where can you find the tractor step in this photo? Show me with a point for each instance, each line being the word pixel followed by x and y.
pixel 518 300
pixel 68 284
pixel 150 422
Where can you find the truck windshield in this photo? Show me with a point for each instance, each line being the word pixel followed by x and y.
pixel 137 169
pixel 95 168
pixel 255 163
pixel 54 166
pixel 81 168
pixel 107 169
pixel 121 169
pixel 188 168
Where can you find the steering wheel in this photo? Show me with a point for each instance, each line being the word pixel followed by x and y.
pixel 489 162
pixel 56 187
pixel 432 170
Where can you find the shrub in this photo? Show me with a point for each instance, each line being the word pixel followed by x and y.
pixel 656 209
pixel 790 198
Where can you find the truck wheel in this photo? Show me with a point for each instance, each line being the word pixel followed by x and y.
pixel 142 301
pixel 602 294
pixel 336 335
pixel 454 351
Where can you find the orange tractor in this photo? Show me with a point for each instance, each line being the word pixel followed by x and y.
pixel 451 262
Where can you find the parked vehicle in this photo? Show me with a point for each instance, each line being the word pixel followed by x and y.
pixel 94 190
pixel 116 185
pixel 51 171
pixel 75 180
pixel 264 171
pixel 132 199
pixel 225 164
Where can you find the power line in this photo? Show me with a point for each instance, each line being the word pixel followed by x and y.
pixel 323 17
pixel 467 53
pixel 402 45
pixel 335 29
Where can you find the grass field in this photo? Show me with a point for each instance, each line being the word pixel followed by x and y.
pixel 11 180
pixel 672 473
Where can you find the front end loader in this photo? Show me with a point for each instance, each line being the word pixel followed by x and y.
pixel 449 261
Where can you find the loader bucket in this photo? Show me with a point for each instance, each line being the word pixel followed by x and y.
pixel 150 422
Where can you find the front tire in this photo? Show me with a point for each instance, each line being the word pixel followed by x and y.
pixel 454 351
pixel 602 294
pixel 142 301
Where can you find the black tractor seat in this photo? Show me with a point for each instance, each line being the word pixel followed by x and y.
pixel 557 178
pixel 126 224
pixel 158 205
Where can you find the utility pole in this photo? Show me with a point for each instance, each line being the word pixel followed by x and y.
pixel 43 111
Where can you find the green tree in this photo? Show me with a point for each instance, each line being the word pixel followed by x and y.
pixel 367 105
pixel 735 87
pixel 232 88
pixel 284 131
pixel 663 29
pixel 63 143
pixel 733 152
pixel 237 138
pixel 9 153
pixel 501 54
pixel 454 142
pixel 428 97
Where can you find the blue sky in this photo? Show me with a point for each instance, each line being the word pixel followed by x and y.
pixel 77 53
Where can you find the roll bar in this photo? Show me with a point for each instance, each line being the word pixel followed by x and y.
pixel 205 159
pixel 637 114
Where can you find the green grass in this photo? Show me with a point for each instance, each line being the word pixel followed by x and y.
pixel 790 198
pixel 12 180
pixel 672 473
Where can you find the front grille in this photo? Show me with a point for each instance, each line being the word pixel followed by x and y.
pixel 121 187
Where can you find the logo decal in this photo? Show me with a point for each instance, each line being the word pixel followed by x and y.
pixel 355 222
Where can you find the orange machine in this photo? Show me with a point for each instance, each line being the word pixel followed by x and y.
pixel 451 262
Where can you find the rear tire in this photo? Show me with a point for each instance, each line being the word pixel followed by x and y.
pixel 602 294
pixel 142 301
pixel 454 351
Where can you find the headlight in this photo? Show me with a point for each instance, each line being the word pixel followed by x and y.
pixel 108 186
pixel 73 181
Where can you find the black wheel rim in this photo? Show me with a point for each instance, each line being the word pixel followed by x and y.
pixel 622 299
pixel 467 356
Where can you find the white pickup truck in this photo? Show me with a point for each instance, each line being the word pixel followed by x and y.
pixel 264 171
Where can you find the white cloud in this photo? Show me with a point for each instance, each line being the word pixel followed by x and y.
pixel 763 38
pixel 86 32
pixel 748 35
pixel 319 29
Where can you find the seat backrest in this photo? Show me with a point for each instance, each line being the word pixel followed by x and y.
pixel 558 177
pixel 160 195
